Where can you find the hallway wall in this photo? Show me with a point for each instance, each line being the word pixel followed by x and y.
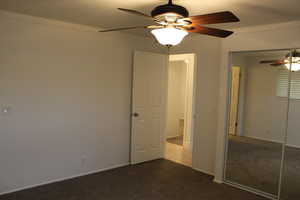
pixel 176 97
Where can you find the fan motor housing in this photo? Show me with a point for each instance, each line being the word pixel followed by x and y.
pixel 170 8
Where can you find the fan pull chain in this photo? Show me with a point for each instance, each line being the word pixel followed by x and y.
pixel 169 47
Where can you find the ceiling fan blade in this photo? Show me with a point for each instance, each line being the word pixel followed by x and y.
pixel 122 28
pixel 135 12
pixel 269 61
pixel 214 18
pixel 209 31
pixel 276 64
pixel 280 62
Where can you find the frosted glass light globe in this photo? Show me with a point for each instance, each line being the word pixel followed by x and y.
pixel 295 64
pixel 169 36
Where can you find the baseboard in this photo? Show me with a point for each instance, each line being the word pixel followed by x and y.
pixel 204 171
pixel 270 140
pixel 217 181
pixel 63 179
pixel 294 146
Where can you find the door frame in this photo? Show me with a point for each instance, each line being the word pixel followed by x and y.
pixel 235 85
pixel 190 105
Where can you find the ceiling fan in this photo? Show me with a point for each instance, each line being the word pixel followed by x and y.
pixel 291 60
pixel 173 23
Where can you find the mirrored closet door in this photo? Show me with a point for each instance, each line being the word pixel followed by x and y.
pixel 290 187
pixel 262 150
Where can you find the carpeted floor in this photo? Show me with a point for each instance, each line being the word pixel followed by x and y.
pixel 256 163
pixel 176 140
pixel 155 180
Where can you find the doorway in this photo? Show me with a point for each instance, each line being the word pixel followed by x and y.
pixel 235 86
pixel 179 114
pixel 151 103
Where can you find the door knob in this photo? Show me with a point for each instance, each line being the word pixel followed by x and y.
pixel 135 114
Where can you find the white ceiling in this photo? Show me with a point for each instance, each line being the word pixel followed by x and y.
pixel 104 13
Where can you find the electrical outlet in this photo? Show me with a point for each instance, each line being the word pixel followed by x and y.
pixel 5 110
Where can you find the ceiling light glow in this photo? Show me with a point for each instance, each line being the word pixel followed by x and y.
pixel 295 66
pixel 169 36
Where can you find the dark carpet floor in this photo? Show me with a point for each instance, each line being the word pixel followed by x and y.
pixel 256 163
pixel 155 180
pixel 176 140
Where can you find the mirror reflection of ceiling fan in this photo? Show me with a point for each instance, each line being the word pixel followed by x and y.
pixel 291 61
pixel 173 23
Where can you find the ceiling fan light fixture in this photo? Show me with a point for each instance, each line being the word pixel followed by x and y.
pixel 169 36
pixel 170 8
pixel 174 23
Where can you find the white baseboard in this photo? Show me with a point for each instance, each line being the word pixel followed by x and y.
pixel 63 179
pixel 294 146
pixel 217 181
pixel 270 140
pixel 204 171
pixel 209 173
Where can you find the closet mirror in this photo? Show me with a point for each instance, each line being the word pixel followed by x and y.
pixel 257 122
pixel 290 189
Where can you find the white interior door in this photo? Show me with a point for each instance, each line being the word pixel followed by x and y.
pixel 148 106
pixel 235 83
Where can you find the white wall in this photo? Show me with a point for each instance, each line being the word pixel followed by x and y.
pixel 176 97
pixel 265 112
pixel 256 38
pixel 99 130
pixel 207 51
pixel 68 88
pixel 66 71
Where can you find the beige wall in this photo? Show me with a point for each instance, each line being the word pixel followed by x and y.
pixel 176 97
pixel 265 112
pixel 82 81
pixel 68 88
pixel 276 36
